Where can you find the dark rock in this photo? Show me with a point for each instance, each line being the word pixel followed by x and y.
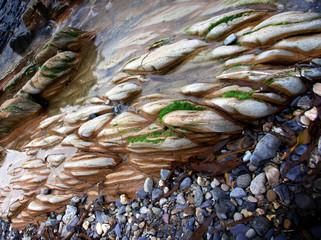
pixel 21 42
pixel 300 149
pixel 217 193
pixel 305 202
pixel 46 191
pixel 283 192
pixel 239 229
pixel 92 116
pixel 265 149
pixel 84 199
pixel 141 193
pixel 241 237
pixel 316 231
pixel 156 193
pixel 118 230
pixel 280 237
pixel 294 173
pixel 294 126
pixel 261 225
pixel 269 234
pixel 206 204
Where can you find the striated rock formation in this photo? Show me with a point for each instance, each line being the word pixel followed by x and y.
pixel 162 107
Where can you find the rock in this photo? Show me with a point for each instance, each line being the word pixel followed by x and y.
pixel 36 16
pixel 271 195
pixel 123 92
pixel 237 193
pixel 156 193
pixel 237 216
pixel 294 173
pixel 141 193
pixel 164 173
pixel 304 202
pixel 250 233
pixel 243 181
pixel 198 196
pixel 317 88
pixel 227 51
pixel 305 102
pixel 225 187
pixel 180 199
pixel 215 183
pixel 265 149
pixel 21 42
pixel 239 229
pixel 313 73
pixel 261 225
pixel 258 184
pixel 69 213
pixel 186 183
pixel 272 174
pixel 283 192
pixel 197 89
pixel 312 114
pixel 230 39
pixel 148 185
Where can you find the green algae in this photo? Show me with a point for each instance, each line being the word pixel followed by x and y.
pixel 178 105
pixel 54 70
pixel 144 138
pixel 239 95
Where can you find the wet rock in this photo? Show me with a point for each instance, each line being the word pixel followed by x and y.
pixel 36 16
pixel 271 195
pixel 258 184
pixel 265 149
pixel 164 173
pixel 148 185
pixel 313 73
pixel 261 225
pixel 272 174
pixel 283 192
pixel 21 42
pixel 230 39
pixel 250 233
pixel 141 193
pixel 156 193
pixel 186 183
pixel 180 199
pixel 294 173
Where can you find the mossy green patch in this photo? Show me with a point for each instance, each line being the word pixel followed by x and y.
pixel 269 82
pixel 71 34
pixel 67 60
pixel 48 75
pixel 244 64
pixel 129 130
pixel 159 43
pixel 54 70
pixel 163 134
pixel 178 105
pixel 46 46
pixel 239 95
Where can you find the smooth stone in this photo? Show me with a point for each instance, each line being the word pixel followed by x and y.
pixel 156 193
pixel 283 192
pixel 257 185
pixel 261 225
pixel 206 204
pixel 272 175
pixel 141 193
pixel 148 185
pixel 186 183
pixel 198 196
pixel 316 61
pixel 230 39
pixel 180 199
pixel 225 187
pixel 237 216
pixel 250 233
pixel 217 193
pixel 294 173
pixel 265 149
pixel 216 182
pixel 247 156
pixel 313 73
pixel 239 229
pixel 69 213
pixel 305 102
pixel 305 202
pixel 156 211
pixel 243 181
pixel 294 126
pixel 271 195
pixel 269 234
pixel 241 237
pixel 162 201
pixel 164 174
pixel 237 193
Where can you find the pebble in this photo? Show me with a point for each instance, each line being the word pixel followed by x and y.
pixel 166 218
pixel 123 199
pixel 294 173
pixel 283 192
pixel 272 174
pixel 225 187
pixel 141 193
pixel 247 156
pixel 198 196
pixel 239 229
pixel 237 216
pixel 237 193
pixel 252 199
pixel 287 224
pixel 231 39
pixel 180 199
pixel 312 114
pixel 215 183
pixel 313 73
pixel 203 182
pixel 148 185
pixel 271 195
pixel 99 228
pixel 156 193
pixel 265 149
pixel 304 103
pixel 243 181
pixel 69 213
pixel 164 173
pixel 250 233
pixel 186 183
pixel 257 185
pixel 261 225
pixel 156 211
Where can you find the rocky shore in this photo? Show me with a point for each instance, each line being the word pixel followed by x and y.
pixel 210 132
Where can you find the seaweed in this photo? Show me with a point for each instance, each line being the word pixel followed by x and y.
pixel 54 70
pixel 144 138
pixel 178 105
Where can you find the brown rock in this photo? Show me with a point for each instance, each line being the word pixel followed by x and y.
pixel 36 16
pixel 189 211
pixel 271 195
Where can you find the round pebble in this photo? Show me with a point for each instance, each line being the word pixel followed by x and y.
pixel 271 195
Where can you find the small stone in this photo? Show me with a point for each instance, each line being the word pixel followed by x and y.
pixel 312 114
pixel 123 199
pixel 258 184
pixel 189 211
pixel 225 187
pixel 287 224
pixel 261 225
pixel 317 185
pixel 180 199
pixel 166 218
pixel 141 225
pixel 272 175
pixel 265 149
pixel 247 156
pixel 208 196
pixel 215 183
pixel 118 230
pixel 198 196
pixel 294 173
pixel 283 192
pixel 156 193
pixel 313 73
pixel 252 199
pixel 141 193
pixel 156 211
pixel 162 201
pixel 271 195
pixel 164 173
pixel 250 233
pixel 85 225
pixel 148 185
pixel 239 229
pixel 69 213
pixel 186 183
pixel 202 181
pixel 243 181
pixel 99 228
pixel 304 103
pixel 230 39
pixel 237 216
pixel 105 227
pixel 237 193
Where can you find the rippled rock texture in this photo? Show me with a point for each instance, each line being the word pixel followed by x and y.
pixel 126 134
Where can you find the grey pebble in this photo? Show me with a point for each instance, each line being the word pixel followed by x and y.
pixel 164 174
pixel 261 225
pixel 313 73
pixel 243 181
pixel 186 183
pixel 237 193
pixel 230 39
pixel 180 199
pixel 257 185
pixel 198 197
pixel 156 193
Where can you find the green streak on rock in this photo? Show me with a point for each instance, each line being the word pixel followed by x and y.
pixel 48 75
pixel 54 70
pixel 269 82
pixel 239 95
pixel 144 138
pixel 71 34
pixel 178 105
